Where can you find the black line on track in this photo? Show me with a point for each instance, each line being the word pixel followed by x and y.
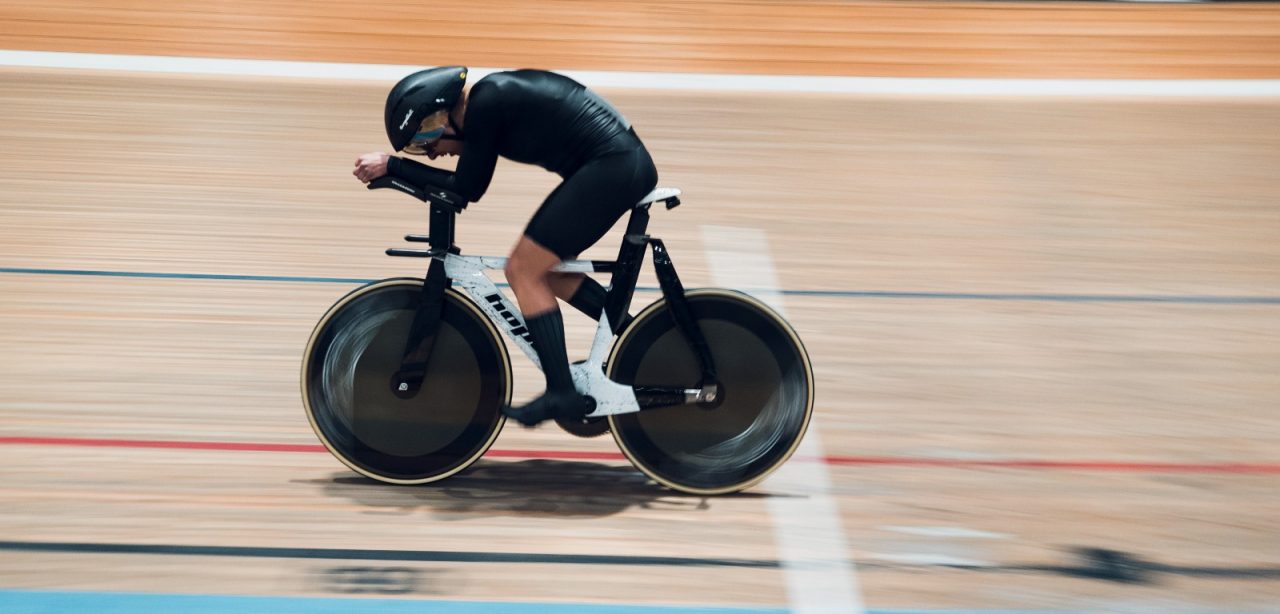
pixel 1091 563
pixel 433 556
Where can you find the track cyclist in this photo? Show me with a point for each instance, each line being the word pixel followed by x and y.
pixel 533 117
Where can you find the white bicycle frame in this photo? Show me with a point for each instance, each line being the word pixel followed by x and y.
pixel 467 273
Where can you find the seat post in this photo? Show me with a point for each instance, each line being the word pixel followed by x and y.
pixel 622 285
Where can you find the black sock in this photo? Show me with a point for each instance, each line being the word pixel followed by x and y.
pixel 547 330
pixel 589 298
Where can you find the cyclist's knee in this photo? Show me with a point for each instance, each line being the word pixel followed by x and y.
pixel 564 285
pixel 523 271
pixel 530 262
pixel 518 273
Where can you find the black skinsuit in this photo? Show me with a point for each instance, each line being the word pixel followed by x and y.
pixel 539 117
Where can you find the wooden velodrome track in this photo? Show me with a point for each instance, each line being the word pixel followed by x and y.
pixel 1045 330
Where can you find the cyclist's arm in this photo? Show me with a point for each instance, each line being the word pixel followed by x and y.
pixel 418 173
pixel 484 122
pixel 479 152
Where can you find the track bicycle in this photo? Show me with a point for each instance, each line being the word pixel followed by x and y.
pixel 706 391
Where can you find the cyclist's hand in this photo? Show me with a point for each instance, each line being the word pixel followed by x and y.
pixel 370 166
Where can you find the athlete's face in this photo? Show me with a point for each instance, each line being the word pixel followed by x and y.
pixel 448 145
pixel 435 137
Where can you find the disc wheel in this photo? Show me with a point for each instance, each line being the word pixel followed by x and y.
pixel 347 393
pixel 765 395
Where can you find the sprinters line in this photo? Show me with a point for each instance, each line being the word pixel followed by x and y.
pixel 871 294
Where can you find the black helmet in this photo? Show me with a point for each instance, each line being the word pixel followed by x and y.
pixel 419 95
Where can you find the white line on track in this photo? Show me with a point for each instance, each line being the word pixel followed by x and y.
pixel 820 575
pixel 930 560
pixel 389 73
pixel 956 532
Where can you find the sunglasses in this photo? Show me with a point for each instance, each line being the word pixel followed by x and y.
pixel 429 131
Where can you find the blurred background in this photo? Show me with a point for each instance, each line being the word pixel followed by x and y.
pixel 1033 249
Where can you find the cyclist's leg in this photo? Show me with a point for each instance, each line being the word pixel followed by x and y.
pixel 565 285
pixel 528 270
pixel 583 209
pixel 581 292
pixel 576 215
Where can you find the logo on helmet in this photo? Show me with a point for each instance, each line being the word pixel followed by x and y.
pixel 406 119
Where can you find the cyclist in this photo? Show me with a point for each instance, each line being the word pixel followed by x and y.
pixel 535 117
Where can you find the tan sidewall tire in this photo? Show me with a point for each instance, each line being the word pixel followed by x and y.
pixel 460 300
pixel 649 312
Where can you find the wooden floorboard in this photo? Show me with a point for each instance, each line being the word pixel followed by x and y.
pixel 1044 331
pixel 813 37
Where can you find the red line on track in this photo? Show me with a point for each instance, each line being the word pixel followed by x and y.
pixel 142 443
pixel 1066 465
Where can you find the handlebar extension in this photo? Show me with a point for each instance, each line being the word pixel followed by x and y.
pixel 440 197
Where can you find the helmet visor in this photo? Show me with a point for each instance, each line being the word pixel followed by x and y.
pixel 429 131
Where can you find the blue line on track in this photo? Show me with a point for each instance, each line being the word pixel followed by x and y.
pixel 57 602
pixel 88 273
pixel 17 601
pixel 1057 298
pixel 955 296
pixel 53 602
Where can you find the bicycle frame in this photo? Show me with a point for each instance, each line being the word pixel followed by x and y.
pixel 467 273
pixel 448 267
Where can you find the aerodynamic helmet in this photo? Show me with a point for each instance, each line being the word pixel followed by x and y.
pixel 415 105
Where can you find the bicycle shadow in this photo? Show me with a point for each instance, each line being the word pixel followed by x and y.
pixel 526 488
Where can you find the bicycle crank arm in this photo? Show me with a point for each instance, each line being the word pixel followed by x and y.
pixel 611 397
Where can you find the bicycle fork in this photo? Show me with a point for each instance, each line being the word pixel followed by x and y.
pixel 407 380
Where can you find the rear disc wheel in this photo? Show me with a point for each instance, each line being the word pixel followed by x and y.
pixel 766 394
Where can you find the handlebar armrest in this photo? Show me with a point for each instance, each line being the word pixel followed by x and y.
pixel 445 198
pixel 428 193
